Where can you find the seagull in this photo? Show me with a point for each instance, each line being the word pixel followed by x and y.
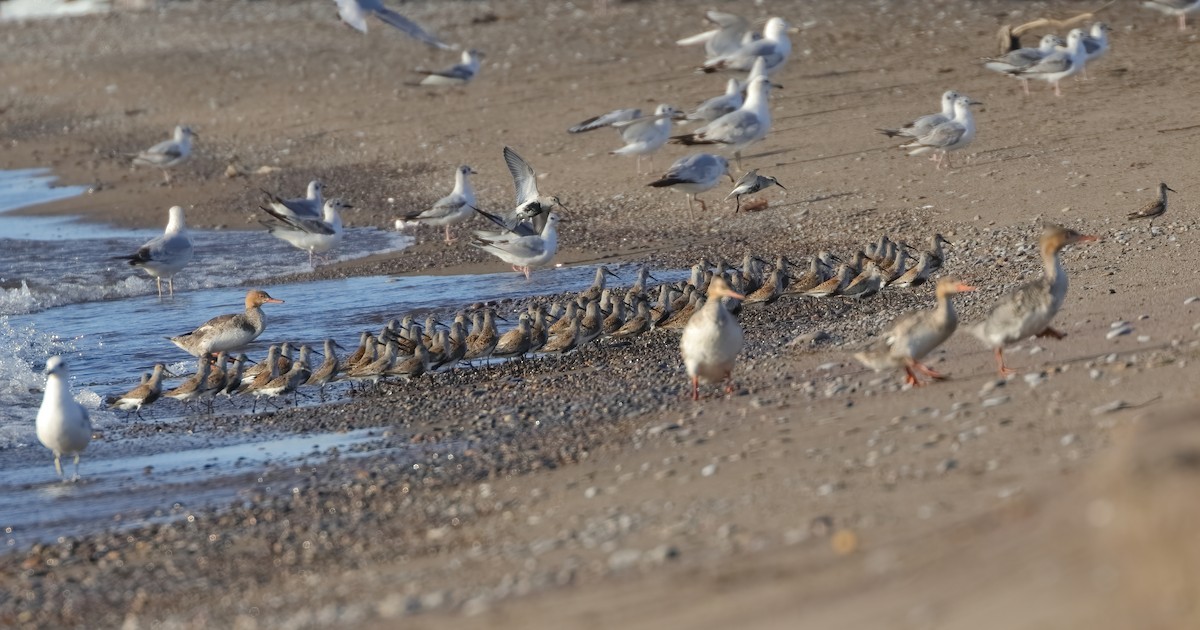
pixel 774 48
pixel 310 206
pixel 645 135
pixel 731 34
pixel 1095 44
pixel 166 255
pixel 925 124
pixel 948 136
pixel 606 120
pixel 168 153
pixel 529 217
pixel 718 106
pixel 739 128
pixel 749 184
pixel 1154 209
pixel 526 252
pixel 458 74
pixel 452 209
pixel 354 13
pixel 63 425
pixel 1178 8
pixel 693 175
pixel 311 235
pixel 1058 65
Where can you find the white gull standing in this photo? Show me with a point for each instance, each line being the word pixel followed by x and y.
pixel 740 128
pixel 310 206
pixel 166 255
pixel 453 209
pixel 1058 65
pixel 643 135
pixel 693 175
pixel 526 252
pixel 949 136
pixel 168 153
pixel 925 124
pixel 313 235
pixel 774 48
pixel 63 425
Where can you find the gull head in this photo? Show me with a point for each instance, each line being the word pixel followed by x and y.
pixel 465 170
pixel 1049 42
pixel 472 56
pixel 948 98
pixel 1074 38
pixel 775 28
pixel 56 366
pixel 1101 29
pixel 175 217
pixel 336 205
pixel 183 132
pixel 314 188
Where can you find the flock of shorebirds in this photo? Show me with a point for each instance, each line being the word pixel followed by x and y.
pixel 704 308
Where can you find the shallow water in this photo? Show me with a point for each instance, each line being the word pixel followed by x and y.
pixel 60 293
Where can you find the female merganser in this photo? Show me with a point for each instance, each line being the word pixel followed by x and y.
pixel 914 335
pixel 712 338
pixel 228 332
pixel 1031 307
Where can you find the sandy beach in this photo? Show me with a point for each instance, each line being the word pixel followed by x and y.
pixel 589 491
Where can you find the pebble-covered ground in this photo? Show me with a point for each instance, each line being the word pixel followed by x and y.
pixel 587 490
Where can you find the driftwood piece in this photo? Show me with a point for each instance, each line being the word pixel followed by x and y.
pixel 1009 36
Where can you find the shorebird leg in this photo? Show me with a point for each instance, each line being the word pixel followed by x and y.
pixel 1004 370
pixel 695 396
pixel 703 206
pixel 737 157
pixel 1050 332
pixel 526 270
pixel 737 208
pixel 166 177
pixel 1025 84
pixel 691 212
pixel 1057 89
pixel 927 371
pixel 1183 21
pixel 910 378
pixel 158 281
pixel 448 239
pixel 58 466
pixel 171 285
pixel 76 476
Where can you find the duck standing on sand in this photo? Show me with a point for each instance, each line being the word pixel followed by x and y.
pixel 231 332
pixel 914 335
pixel 712 338
pixel 1031 307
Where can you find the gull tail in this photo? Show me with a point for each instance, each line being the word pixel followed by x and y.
pixel 689 139
pixel 667 181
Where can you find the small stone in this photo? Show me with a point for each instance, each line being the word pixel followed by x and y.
pixel 1068 439
pixel 1125 329
pixel 1143 338
pixel 708 470
pixel 946 465
pixel 659 429
pixel 1033 379
pixel 591 492
pixel 995 401
pixel 624 559
pixel 844 542
pixel 662 554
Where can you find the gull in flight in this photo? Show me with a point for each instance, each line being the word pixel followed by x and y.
pixel 168 153
pixel 355 12
pixel 313 235
pixel 458 74
pixel 166 255
pixel 455 208
pixel 732 33
pixel 529 217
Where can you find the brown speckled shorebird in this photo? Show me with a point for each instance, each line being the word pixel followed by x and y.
pixel 144 394
pixel 833 285
pixel 593 292
pixel 1153 209
pixel 636 325
pixel 916 275
pixel 193 387
pixel 514 343
pixel 563 341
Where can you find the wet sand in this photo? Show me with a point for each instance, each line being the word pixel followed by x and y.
pixel 588 491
